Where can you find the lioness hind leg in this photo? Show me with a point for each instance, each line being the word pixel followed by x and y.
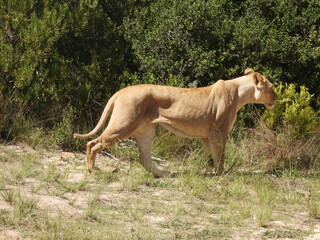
pixel 93 147
pixel 144 137
pixel 110 136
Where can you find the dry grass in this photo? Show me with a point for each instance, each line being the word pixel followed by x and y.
pixel 48 195
pixel 282 151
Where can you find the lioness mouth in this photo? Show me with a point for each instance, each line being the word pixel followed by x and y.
pixel 270 105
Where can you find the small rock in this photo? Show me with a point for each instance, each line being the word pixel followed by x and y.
pixel 76 177
pixel 67 154
pixel 9 234
pixel 111 169
pixel 56 159
pixel 116 185
pixel 80 167
pixel 279 223
pixel 62 163
pixel 213 216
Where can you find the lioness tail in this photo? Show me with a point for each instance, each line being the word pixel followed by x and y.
pixel 102 120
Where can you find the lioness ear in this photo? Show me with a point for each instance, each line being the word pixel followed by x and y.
pixel 248 71
pixel 258 80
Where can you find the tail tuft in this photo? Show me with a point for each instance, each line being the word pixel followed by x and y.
pixel 81 136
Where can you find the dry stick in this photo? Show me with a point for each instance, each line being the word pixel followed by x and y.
pixel 115 158
pixel 110 155
pixel 158 159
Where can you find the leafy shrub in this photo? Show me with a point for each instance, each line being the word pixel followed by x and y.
pixel 293 110
pixel 59 53
pixel 63 132
pixel 211 40
pixel 294 142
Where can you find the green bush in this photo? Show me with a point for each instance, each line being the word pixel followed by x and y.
pixel 293 110
pixel 55 53
pixel 62 134
pixel 211 40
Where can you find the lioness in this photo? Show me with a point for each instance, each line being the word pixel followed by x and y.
pixel 207 113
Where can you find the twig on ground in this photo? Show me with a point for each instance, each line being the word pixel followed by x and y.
pixel 110 155
pixel 158 159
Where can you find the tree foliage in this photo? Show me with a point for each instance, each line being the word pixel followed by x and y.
pixel 208 40
pixel 75 53
pixel 56 53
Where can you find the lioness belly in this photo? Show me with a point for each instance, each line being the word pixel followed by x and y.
pixel 188 127
pixel 185 132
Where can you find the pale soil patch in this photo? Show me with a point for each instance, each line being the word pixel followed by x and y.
pixel 316 235
pixel 4 205
pixel 9 234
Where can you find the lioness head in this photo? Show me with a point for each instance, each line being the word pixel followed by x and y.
pixel 264 92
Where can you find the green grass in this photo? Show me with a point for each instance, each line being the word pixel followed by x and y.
pixel 72 186
pixel 23 208
pixel 313 205
pixel 131 204
pixel 17 165
pixel 286 233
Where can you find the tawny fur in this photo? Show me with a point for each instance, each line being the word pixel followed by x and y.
pixel 207 113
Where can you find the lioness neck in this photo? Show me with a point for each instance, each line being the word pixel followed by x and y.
pixel 246 89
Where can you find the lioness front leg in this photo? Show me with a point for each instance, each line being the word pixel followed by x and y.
pixel 206 145
pixel 144 137
pixel 218 157
pixel 217 146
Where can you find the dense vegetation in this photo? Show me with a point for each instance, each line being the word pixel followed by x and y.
pixel 61 60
